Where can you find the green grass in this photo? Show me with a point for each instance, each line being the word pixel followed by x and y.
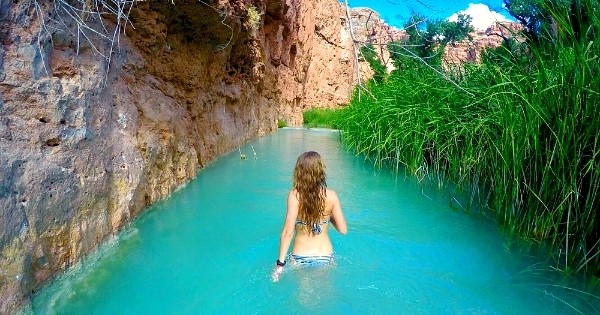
pixel 321 118
pixel 523 128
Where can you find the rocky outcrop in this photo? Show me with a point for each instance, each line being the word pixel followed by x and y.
pixel 87 143
pixel 321 64
pixel 369 28
pixel 470 50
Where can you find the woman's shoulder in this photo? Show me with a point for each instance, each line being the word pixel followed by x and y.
pixel 331 193
pixel 293 192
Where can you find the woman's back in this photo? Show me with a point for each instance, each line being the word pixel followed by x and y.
pixel 310 209
pixel 315 240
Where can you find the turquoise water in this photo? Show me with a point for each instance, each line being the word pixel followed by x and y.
pixel 210 248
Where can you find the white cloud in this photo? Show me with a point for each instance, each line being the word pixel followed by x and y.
pixel 482 16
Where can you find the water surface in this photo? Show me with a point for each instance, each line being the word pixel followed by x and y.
pixel 211 246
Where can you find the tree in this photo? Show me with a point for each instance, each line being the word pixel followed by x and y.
pixel 457 31
pixel 426 39
pixel 550 20
pixel 416 35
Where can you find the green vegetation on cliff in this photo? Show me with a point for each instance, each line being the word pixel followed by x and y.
pixel 520 129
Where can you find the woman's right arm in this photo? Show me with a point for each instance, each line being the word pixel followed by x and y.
pixel 337 216
pixel 287 233
pixel 288 226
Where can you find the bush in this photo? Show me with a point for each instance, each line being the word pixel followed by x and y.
pixel 321 117
pixel 281 123
pixel 253 18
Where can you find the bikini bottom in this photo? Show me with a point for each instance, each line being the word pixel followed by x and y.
pixel 310 260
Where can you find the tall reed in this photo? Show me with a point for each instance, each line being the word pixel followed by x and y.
pixel 523 127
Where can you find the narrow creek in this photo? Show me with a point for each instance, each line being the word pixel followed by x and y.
pixel 211 246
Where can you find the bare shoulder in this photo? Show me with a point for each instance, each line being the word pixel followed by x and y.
pixel 293 194
pixel 331 194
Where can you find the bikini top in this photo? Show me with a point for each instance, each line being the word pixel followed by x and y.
pixel 316 228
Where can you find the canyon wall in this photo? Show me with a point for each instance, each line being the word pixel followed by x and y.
pixel 89 138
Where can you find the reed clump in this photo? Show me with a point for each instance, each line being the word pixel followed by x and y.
pixel 522 127
pixel 320 117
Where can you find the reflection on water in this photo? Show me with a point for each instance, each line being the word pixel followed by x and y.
pixel 210 248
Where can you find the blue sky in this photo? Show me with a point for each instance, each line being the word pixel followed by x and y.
pixel 395 12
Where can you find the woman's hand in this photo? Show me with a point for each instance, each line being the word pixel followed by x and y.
pixel 276 273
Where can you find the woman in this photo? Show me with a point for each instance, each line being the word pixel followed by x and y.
pixel 310 207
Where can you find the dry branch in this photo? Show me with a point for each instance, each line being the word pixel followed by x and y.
pixel 84 20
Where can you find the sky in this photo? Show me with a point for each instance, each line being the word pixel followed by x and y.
pixel 395 12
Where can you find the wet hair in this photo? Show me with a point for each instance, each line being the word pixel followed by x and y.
pixel 310 182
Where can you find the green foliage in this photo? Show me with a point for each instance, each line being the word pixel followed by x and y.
pixel 547 20
pixel 321 117
pixel 370 56
pixel 426 39
pixel 524 140
pixel 416 41
pixel 441 32
pixel 454 31
pixel 414 29
pixel 281 123
pixel 253 18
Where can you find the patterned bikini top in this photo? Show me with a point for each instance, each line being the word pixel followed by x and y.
pixel 316 228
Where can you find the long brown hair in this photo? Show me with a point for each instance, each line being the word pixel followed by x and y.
pixel 310 182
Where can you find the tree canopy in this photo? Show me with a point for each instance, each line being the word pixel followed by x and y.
pixel 550 20
pixel 426 39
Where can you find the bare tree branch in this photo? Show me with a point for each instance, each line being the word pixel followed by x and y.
pixel 77 17
pixel 355 48
pixel 414 56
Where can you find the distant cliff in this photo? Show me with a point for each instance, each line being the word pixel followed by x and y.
pixel 370 29
pixel 470 50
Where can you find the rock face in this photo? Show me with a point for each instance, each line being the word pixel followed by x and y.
pixel 314 57
pixel 471 50
pixel 86 143
pixel 370 29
